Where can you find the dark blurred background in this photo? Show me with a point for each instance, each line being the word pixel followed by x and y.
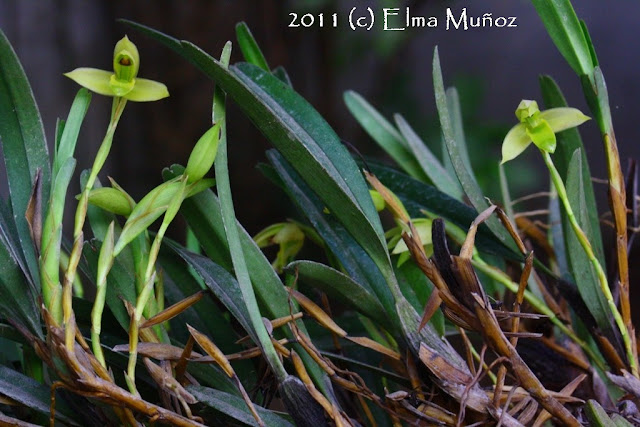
pixel 492 68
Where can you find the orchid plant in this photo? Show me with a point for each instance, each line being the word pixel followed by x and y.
pixel 224 331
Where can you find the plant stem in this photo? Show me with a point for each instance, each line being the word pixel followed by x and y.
pixel 149 280
pixel 101 157
pixel 81 214
pixel 586 245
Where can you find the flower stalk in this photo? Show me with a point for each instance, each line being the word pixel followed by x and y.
pixel 586 245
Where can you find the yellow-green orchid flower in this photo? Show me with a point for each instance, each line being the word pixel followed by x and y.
pixel 122 81
pixel 538 127
pixel 288 236
pixel 397 245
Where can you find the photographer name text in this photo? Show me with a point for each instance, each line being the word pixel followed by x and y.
pixel 401 19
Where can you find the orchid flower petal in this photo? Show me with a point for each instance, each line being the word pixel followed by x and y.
pixel 515 142
pixel 563 118
pixel 146 90
pixel 93 79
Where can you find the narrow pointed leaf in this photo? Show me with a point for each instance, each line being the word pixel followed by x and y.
pixel 23 144
pixel 69 137
pixel 383 132
pixel 428 162
pixel 565 30
pixel 249 47
pixel 33 395
pixel 339 286
pixel 467 180
pixel 585 276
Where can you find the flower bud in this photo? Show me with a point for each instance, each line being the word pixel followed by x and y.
pixel 203 154
pixel 111 200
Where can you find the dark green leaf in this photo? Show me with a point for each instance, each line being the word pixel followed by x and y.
pixel 222 284
pixel 467 180
pixel 18 302
pixel 340 287
pixel 32 394
pixel 429 163
pixel 384 134
pixel 306 141
pixel 282 74
pixel 412 280
pixel 235 408
pixel 180 284
pixel 581 268
pixel 455 111
pixel 563 26
pixel 355 261
pixel 249 47
pixel 23 144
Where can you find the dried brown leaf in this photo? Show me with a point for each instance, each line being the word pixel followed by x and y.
pixel 174 310
pixel 317 313
pixel 157 351
pixel 375 346
pixel 167 382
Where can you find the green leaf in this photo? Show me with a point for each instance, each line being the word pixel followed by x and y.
pixel 24 146
pixel 565 30
pixel 179 283
pixel 69 137
pixel 249 47
pixel 413 279
pixel 581 268
pixel 597 416
pixel 18 301
pixel 384 134
pixel 232 236
pixel 429 163
pixel 308 143
pixel 235 407
pixel 467 180
pixel 202 213
pixel 455 110
pixel 340 287
pixel 223 285
pixel 597 98
pixel 33 395
pixel 568 142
